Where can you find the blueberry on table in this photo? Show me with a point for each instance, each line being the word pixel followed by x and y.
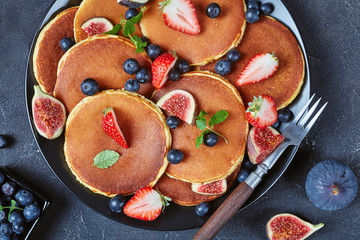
pixel 66 43
pixel 117 203
pixel 276 124
pixel 132 85
pixel 248 164
pixel 24 197
pixel 173 122
pixel 4 236
pixel 253 4
pixel 16 217
pixel 8 188
pixel 210 139
pixel 202 209
pixel 4 215
pixel 89 87
pixel 153 51
pixel 3 141
pixel 284 115
pixel 5 228
pixel 130 13
pixel 182 65
pixel 213 10
pixel 244 173
pixel 222 67
pixel 175 156
pixel 18 228
pixel 143 75
pixel 252 15
pixel 131 66
pixel 266 8
pixel 31 212
pixel 145 40
pixel 233 55
pixel 174 75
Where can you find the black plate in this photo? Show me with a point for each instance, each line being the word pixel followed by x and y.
pixel 175 217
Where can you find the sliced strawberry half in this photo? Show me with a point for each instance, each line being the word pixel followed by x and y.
pixel 111 127
pixel 181 16
pixel 161 67
pixel 146 204
pixel 262 112
pixel 259 68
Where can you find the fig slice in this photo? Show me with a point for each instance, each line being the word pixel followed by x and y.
pixel 96 25
pixel 261 142
pixel 132 3
pixel 180 103
pixel 287 226
pixel 49 114
pixel 213 188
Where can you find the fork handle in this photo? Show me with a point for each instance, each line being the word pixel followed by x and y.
pixel 223 214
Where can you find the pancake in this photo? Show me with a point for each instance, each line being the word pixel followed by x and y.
pixel 268 35
pixel 206 164
pixel 47 51
pixel 101 58
pixel 180 192
pixel 109 9
pixel 142 164
pixel 216 36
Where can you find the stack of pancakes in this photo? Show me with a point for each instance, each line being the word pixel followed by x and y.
pixel 143 124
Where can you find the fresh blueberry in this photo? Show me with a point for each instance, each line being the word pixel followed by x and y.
pixel 117 203
pixel 131 66
pixel 16 218
pixel 173 122
pixel 284 115
pixel 3 141
pixel 8 188
pixel 18 228
pixel 210 139
pixel 174 75
pixel 89 87
pixel 175 156
pixel 266 8
pixel 254 4
pixel 248 164
pixel 4 236
pixel 252 15
pixel 130 13
pixel 222 67
pixel 213 10
pixel 2 177
pixel 202 209
pixel 24 197
pixel 132 85
pixel 233 55
pixel 5 228
pixel 143 75
pixel 31 212
pixel 276 124
pixel 66 43
pixel 182 65
pixel 3 215
pixel 145 40
pixel 153 51
pixel 244 173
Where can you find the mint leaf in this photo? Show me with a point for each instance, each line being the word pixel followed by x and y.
pixel 138 43
pixel 218 117
pixel 202 114
pixel 201 123
pixel 115 29
pixel 129 28
pixel 106 159
pixel 200 139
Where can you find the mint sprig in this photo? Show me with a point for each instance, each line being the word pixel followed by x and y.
pixel 11 208
pixel 217 118
pixel 106 159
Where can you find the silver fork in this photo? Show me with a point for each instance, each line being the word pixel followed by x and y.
pixel 293 134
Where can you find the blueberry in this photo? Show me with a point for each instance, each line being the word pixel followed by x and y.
pixel 3 141
pixel 222 67
pixel 202 209
pixel 248 164
pixel 31 212
pixel 132 85
pixel 5 228
pixel 175 156
pixel 131 66
pixel 210 139
pixel 8 188
pixel 3 215
pixel 174 75
pixel 284 115
pixel 213 10
pixel 254 4
pixel 143 75
pixel 2 177
pixel 153 51
pixel 24 197
pixel 130 13
pixel 266 8
pixel 182 65
pixel 89 87
pixel 252 15
pixel 173 122
pixel 145 40
pixel 4 236
pixel 244 173
pixel 233 55
pixel 16 218
pixel 276 124
pixel 117 203
pixel 18 228
pixel 66 43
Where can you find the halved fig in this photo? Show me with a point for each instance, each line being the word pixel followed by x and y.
pixel 132 3
pixel 213 188
pixel 180 103
pixel 96 25
pixel 49 114
pixel 286 226
pixel 261 142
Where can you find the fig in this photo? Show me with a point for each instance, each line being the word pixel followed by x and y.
pixel 261 142
pixel 213 188
pixel 49 114
pixel 132 3
pixel 96 25
pixel 331 185
pixel 179 103
pixel 286 226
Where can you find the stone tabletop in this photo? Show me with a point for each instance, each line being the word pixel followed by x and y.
pixel 331 35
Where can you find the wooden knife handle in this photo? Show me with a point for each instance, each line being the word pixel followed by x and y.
pixel 223 214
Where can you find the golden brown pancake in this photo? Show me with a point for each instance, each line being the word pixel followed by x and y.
pixel 216 36
pixel 48 51
pixel 266 36
pixel 142 164
pixel 109 9
pixel 101 58
pixel 206 164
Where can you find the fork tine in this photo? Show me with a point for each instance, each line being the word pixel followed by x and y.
pixel 309 113
pixel 313 120
pixel 297 118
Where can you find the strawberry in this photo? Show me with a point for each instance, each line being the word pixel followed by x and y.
pixel 111 127
pixel 259 68
pixel 262 112
pixel 161 67
pixel 180 15
pixel 146 204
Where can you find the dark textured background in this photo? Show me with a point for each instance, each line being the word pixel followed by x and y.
pixel 331 34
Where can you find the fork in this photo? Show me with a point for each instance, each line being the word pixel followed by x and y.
pixel 293 134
